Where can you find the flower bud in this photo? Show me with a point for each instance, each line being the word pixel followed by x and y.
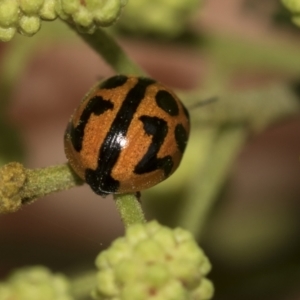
pixel 153 262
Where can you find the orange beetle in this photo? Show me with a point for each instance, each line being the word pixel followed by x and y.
pixel 128 134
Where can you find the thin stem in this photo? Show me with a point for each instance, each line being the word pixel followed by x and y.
pixel 41 182
pixel 111 52
pixel 19 185
pixel 129 208
pixel 205 186
pixel 258 108
pixel 275 55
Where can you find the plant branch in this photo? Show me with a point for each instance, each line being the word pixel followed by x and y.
pixel 111 52
pixel 129 208
pixel 19 185
pixel 258 108
pixel 203 188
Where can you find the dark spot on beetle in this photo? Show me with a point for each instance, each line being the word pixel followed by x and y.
pixel 113 82
pixel 167 102
pixel 97 106
pixel 181 137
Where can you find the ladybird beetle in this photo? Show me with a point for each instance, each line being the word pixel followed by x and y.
pixel 128 134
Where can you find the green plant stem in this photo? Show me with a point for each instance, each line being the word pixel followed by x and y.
pixel 19 185
pixel 111 52
pixel 129 208
pixel 204 187
pixel 236 53
pixel 258 108
pixel 41 182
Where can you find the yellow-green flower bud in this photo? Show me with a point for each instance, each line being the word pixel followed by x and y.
pixel 70 6
pixel 90 14
pixel 35 283
pixel 8 12
pixel 48 12
pixel 106 283
pixel 29 25
pixel 83 18
pixel 25 16
pixel 107 12
pixel 153 262
pixel 6 34
pixel 31 7
pixel 203 290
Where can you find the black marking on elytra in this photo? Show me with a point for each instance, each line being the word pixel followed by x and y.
pixel 167 102
pixel 181 137
pixel 113 82
pixel 158 128
pixel 100 179
pixel 97 106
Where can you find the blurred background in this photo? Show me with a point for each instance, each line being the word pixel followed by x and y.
pixel 252 235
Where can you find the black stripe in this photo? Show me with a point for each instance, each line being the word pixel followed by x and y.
pixel 181 137
pixel 97 106
pixel 158 129
pixel 100 179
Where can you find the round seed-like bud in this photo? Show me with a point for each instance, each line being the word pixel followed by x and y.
pixel 29 25
pixel 88 15
pixel 70 6
pixel 48 12
pixel 107 12
pixel 25 16
pixel 153 262
pixel 83 18
pixel 6 34
pixel 30 7
pixel 8 13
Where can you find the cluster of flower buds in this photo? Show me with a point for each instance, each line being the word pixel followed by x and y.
pixel 153 262
pixel 24 16
pixel 35 283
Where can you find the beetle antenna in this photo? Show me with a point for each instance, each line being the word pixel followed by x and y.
pixel 204 102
